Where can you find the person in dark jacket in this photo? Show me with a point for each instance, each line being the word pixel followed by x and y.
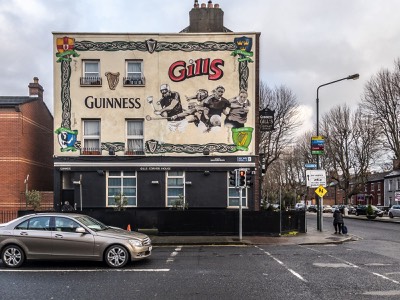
pixel 337 221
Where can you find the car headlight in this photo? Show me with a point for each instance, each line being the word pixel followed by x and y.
pixel 136 243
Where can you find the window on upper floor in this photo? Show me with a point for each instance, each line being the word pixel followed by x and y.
pixel 91 73
pixel 134 73
pixel 91 137
pixel 390 184
pixel 398 184
pixel 372 187
pixel 134 137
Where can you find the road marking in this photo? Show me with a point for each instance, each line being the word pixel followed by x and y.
pixel 84 270
pixel 355 266
pixel 173 254
pixel 281 263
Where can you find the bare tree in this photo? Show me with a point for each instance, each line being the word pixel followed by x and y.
pixel 381 100
pixel 284 103
pixel 352 144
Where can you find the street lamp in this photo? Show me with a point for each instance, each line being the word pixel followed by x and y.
pixel 319 211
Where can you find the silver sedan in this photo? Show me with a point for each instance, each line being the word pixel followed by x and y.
pixel 69 236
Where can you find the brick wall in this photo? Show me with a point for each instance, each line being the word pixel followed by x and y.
pixel 26 137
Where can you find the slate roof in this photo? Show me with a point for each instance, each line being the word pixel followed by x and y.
pixel 10 101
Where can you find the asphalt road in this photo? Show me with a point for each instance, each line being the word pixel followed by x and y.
pixel 365 269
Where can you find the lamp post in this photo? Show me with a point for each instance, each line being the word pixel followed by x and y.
pixel 319 211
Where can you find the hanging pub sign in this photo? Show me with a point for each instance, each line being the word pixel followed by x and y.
pixel 267 119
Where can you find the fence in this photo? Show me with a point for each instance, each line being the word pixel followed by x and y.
pixel 8 215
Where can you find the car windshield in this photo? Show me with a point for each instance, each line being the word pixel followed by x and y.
pixel 91 223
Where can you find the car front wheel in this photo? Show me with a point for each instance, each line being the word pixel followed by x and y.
pixel 12 256
pixel 390 215
pixel 356 213
pixel 116 256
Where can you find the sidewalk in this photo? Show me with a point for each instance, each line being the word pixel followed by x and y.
pixel 311 237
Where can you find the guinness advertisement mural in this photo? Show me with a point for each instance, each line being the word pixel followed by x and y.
pixel 190 94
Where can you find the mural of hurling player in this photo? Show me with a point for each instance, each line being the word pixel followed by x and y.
pixel 217 105
pixel 237 116
pixel 171 108
pixel 196 111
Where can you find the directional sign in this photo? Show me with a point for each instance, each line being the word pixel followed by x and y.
pixel 317 145
pixel 320 191
pixel 310 166
pixel 315 178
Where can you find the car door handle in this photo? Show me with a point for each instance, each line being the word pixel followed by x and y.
pixel 23 233
pixel 58 236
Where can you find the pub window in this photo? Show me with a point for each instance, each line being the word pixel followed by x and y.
pixel 124 184
pixel 175 187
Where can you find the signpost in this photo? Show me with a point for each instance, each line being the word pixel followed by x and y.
pixel 317 145
pixel 321 191
pixel 315 178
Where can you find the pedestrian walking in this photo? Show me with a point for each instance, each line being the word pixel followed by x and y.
pixel 338 221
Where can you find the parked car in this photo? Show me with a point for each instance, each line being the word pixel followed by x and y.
pixel 362 210
pixel 69 237
pixel 312 208
pixel 394 211
pixel 327 209
pixel 299 206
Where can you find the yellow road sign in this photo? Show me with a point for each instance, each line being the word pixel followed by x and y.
pixel 320 191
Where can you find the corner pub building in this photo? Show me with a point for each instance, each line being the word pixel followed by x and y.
pixel 156 117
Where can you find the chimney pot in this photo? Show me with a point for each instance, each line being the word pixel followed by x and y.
pixel 35 89
pixel 210 5
pixel 216 5
pixel 203 5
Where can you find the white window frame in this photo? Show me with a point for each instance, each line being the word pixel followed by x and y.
pixel 90 77
pixel 128 175
pixel 86 137
pixel 234 195
pixel 390 183
pixel 134 137
pixel 134 75
pixel 170 175
pixel 372 186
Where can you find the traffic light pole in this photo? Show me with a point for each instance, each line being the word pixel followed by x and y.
pixel 240 212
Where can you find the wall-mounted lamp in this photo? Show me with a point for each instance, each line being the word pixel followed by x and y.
pixel 100 172
pixel 111 151
pixel 206 152
pixel 155 182
pixel 206 173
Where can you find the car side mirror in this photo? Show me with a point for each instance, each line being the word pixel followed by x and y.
pixel 80 230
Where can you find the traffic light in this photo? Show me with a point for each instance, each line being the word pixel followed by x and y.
pixel 249 178
pixel 233 177
pixel 242 177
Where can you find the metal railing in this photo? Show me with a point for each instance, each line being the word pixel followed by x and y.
pixel 96 81
pixel 8 215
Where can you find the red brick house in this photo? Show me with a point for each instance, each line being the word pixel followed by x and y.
pixel 26 152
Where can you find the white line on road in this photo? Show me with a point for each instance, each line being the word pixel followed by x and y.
pixel 355 266
pixel 281 263
pixel 84 270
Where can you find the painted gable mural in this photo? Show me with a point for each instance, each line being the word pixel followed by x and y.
pixel 192 96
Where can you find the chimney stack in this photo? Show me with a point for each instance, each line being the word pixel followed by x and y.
pixel 206 18
pixel 35 89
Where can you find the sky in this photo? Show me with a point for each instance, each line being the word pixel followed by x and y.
pixel 304 43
